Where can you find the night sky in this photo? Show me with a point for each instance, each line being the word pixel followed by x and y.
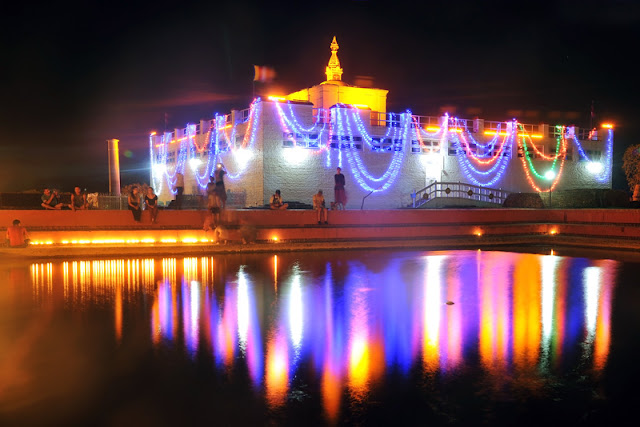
pixel 75 74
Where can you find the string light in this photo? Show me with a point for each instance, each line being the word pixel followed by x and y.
pixel 490 145
pixel 358 170
pixel 554 158
pixel 497 170
pixel 293 129
pixel 248 141
pixel 497 155
pixel 601 175
pixel 558 175
pixel 212 138
pixel 484 168
pixel 396 158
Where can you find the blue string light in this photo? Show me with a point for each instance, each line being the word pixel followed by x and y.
pixel 293 128
pixel 468 169
pixel 250 135
pixel 604 175
pixel 213 142
pixel 489 146
pixel 355 156
pixel 157 185
pixel 360 173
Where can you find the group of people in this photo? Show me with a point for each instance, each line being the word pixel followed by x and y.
pixel 51 200
pixel 150 203
pixel 319 204
pixel 216 195
pixel 216 198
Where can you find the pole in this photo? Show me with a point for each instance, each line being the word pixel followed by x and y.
pixel 114 167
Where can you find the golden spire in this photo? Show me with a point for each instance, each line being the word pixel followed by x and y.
pixel 334 72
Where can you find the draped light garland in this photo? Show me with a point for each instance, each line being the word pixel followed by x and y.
pixel 603 176
pixel 355 162
pixel 244 153
pixel 495 173
pixel 212 139
pixel 562 154
pixel 527 155
pixel 483 169
pixel 489 146
pixel 293 128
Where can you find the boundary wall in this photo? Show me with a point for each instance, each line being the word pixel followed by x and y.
pixel 114 233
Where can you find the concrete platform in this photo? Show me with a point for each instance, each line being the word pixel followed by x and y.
pixel 114 233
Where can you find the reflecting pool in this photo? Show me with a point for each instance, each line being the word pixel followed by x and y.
pixel 346 337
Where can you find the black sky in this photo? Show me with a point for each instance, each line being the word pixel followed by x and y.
pixel 76 74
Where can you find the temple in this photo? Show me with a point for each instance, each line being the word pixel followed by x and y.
pixel 390 160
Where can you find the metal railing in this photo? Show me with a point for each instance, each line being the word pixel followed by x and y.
pixel 458 190
pixel 378 119
pixel 106 202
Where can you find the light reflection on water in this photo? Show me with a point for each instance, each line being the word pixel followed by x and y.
pixel 346 323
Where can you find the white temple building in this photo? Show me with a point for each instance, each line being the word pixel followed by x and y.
pixel 295 143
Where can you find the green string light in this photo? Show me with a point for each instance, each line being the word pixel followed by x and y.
pixel 526 154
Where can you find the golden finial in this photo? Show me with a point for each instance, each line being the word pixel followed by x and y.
pixel 334 72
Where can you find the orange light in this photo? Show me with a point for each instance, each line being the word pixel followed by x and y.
pixel 607 125
pixel 493 132
pixel 432 129
pixel 276 98
pixel 478 232
pixel 361 106
pixel 152 133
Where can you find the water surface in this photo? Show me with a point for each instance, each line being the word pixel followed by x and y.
pixel 379 337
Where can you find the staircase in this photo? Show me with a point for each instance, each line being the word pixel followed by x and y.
pixel 448 194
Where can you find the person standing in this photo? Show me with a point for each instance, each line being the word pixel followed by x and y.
pixel 213 204
pixel 151 204
pixel 17 236
pixel 134 203
pixel 78 199
pixel 319 207
pixel 179 188
pixel 340 194
pixel 220 188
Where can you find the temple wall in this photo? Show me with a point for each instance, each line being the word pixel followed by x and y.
pixel 299 172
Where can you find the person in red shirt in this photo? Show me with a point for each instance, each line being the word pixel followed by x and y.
pixel 17 235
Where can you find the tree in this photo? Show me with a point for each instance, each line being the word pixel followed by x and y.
pixel 142 188
pixel 631 165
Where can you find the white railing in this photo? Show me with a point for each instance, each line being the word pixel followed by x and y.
pixel 378 119
pixel 459 190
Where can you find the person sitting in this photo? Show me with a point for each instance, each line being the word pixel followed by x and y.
pixel 50 200
pixel 151 204
pixel 276 202
pixel 78 200
pixel 319 207
pixel 134 203
pixel 17 236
